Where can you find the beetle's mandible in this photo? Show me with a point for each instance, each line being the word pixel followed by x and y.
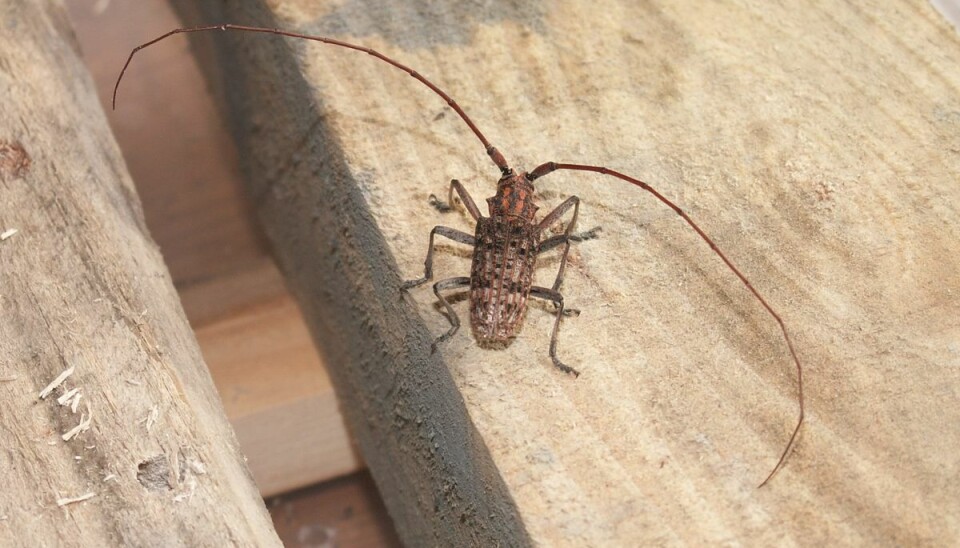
pixel 507 242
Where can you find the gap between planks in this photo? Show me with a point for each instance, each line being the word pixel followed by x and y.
pixel 271 379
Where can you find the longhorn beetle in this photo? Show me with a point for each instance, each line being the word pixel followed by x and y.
pixel 506 243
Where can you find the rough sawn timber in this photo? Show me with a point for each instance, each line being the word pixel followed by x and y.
pixel 273 386
pixel 83 288
pixel 817 144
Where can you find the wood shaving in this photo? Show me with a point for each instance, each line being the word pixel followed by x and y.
pixel 76 403
pixel 84 425
pixel 151 418
pixel 8 233
pixel 56 382
pixel 197 467
pixel 65 501
pixel 9 378
pixel 134 382
pixel 67 396
pixel 190 487
pixel 109 477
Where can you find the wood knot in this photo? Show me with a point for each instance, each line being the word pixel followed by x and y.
pixel 14 160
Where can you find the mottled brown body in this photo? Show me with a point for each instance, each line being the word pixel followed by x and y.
pixel 504 257
pixel 505 248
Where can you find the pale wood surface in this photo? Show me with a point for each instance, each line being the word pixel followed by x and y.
pixel 278 397
pixel 816 143
pixel 273 382
pixel 83 288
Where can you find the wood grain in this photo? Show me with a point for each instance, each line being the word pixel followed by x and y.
pixel 252 337
pixel 817 144
pixel 278 397
pixel 86 299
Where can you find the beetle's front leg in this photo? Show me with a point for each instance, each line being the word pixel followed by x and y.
pixel 465 198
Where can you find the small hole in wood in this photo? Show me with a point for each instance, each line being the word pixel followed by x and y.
pixel 154 473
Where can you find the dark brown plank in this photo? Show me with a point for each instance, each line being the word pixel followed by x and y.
pixel 346 512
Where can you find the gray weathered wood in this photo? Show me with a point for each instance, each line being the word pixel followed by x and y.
pixel 817 144
pixel 84 288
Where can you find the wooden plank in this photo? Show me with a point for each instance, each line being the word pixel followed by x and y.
pixel 343 512
pixel 146 455
pixel 278 397
pixel 230 289
pixel 197 212
pixel 815 143
pixel 236 293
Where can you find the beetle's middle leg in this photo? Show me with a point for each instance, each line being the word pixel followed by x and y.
pixel 443 285
pixel 563 239
pixel 556 298
pixel 451 233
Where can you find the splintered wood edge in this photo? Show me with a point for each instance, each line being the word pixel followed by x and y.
pixel 216 293
pixel 82 314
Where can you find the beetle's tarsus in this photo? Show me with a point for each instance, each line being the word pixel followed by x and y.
pixel 439 205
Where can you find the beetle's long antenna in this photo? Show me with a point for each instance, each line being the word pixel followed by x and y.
pixel 550 167
pixel 492 151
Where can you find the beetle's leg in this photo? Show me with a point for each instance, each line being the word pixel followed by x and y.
pixel 554 241
pixel 443 285
pixel 550 167
pixel 548 221
pixel 451 233
pixel 465 197
pixel 556 298
pixel 560 239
